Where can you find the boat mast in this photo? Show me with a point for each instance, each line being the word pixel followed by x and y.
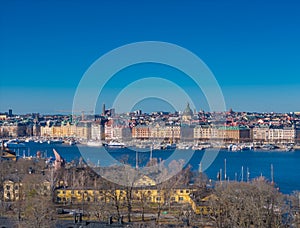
pixel 272 174
pixel 248 175
pixel 136 160
pixel 150 153
pixel 242 173
pixel 225 174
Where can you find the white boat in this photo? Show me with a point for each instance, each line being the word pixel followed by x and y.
pixel 29 140
pixel 55 141
pixel 72 142
pixel 13 143
pixel 268 147
pixel 289 148
pixel 183 146
pixel 233 148
pixel 114 144
pixel 94 143
pixel 197 147
pixel 170 146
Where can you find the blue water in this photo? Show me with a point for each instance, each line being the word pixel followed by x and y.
pixel 286 165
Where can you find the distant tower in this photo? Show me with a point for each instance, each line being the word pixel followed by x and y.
pixel 103 109
pixel 10 113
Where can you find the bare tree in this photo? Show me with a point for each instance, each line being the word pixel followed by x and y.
pixel 243 204
pixel 37 206
pixel 142 197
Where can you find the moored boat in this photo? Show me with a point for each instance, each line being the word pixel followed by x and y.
pixel 94 143
pixel 114 144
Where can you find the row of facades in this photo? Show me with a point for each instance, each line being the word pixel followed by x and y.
pixel 176 133
pixel 95 131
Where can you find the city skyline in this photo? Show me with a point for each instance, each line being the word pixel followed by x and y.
pixel 251 48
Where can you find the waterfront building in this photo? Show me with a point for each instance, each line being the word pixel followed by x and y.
pixel 97 131
pixel 172 132
pixel 167 132
pixel 36 129
pixel 234 134
pixel 204 132
pixel 141 132
pixel 13 129
pixel 187 132
pixel 83 130
pixel 3 116
pixel 297 138
pixel 272 134
pixel 47 130
pixel 108 131
pixel 67 130
pixel 260 133
pixel 282 135
pixel 121 133
pixel 157 132
pixel 80 130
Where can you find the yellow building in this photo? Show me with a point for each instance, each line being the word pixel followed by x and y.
pixel 152 194
pixel 231 134
pixel 11 190
pixel 14 190
pixel 81 130
pixel 202 205
pixel 165 132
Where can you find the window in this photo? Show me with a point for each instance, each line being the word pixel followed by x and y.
pixel 181 191
pixel 16 187
pixel 187 191
pixel 158 198
pixel 7 187
pixel 8 195
pixel 180 198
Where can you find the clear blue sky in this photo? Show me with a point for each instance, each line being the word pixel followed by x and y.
pixel 252 47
